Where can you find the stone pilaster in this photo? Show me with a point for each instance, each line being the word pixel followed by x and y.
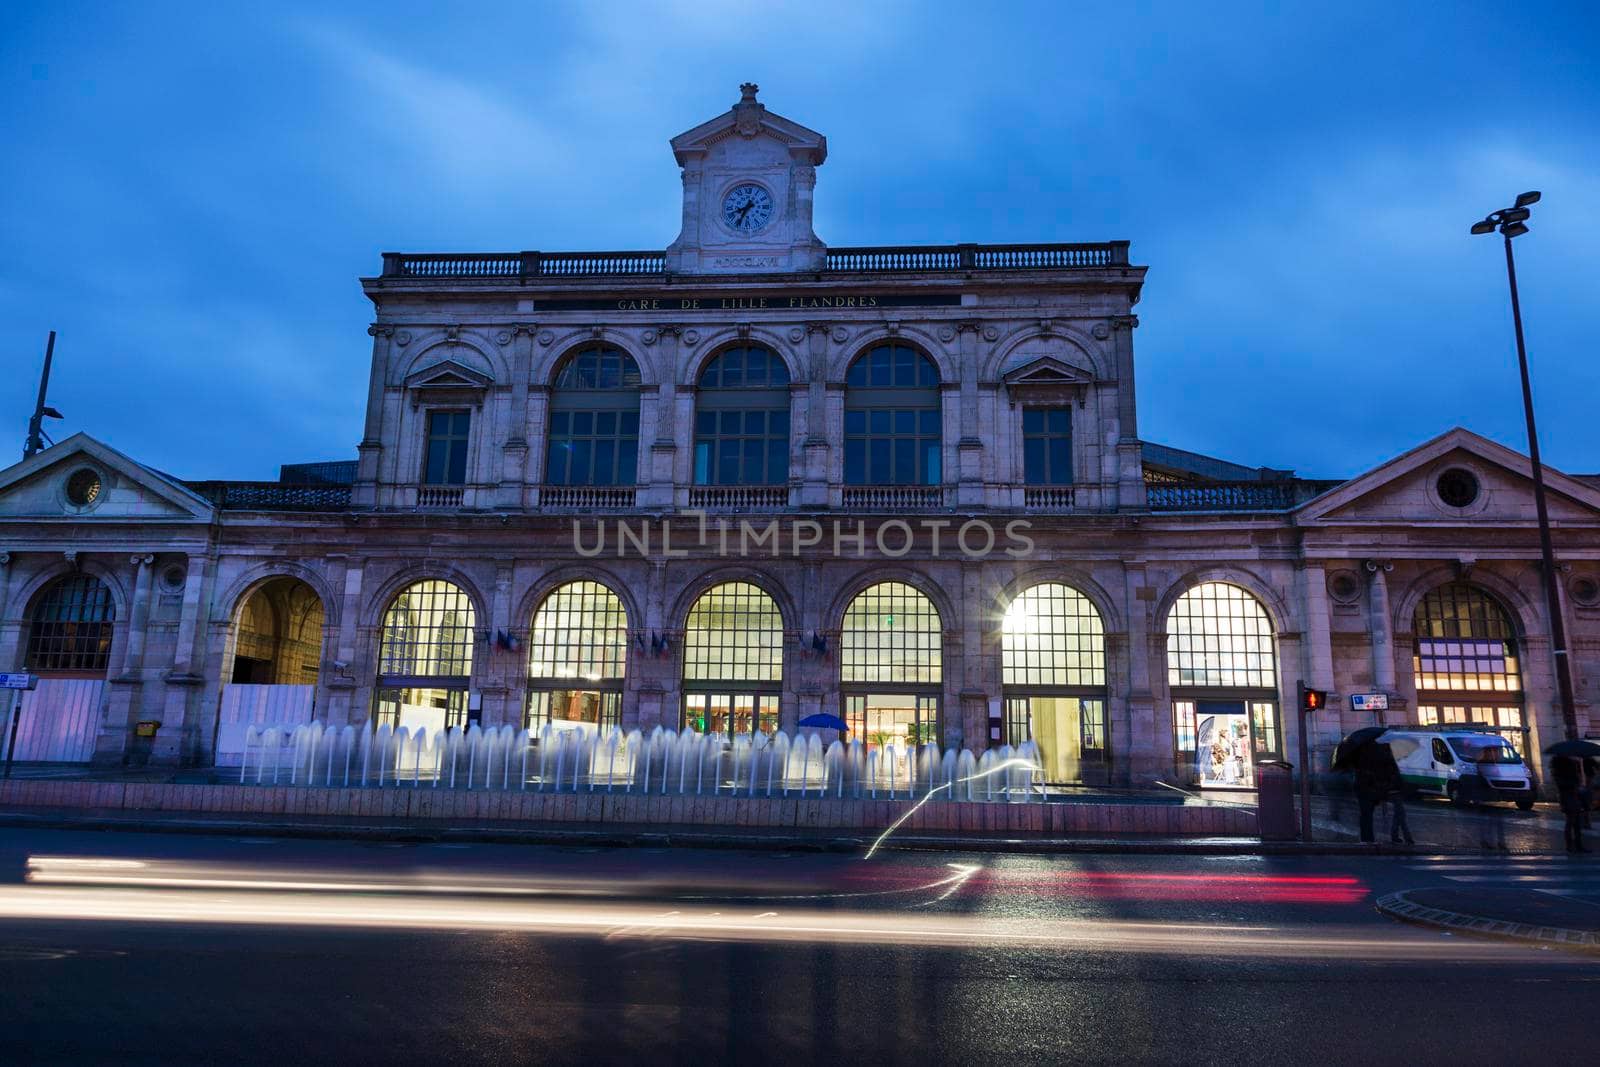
pixel 179 739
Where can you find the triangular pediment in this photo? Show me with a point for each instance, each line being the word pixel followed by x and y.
pixel 448 374
pixel 751 119
pixel 1045 370
pixel 41 489
pixel 1408 489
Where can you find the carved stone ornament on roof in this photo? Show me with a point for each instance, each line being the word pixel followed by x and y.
pixel 748 111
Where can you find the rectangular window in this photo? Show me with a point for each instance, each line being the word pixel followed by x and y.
pixel 1047 446
pixel 892 446
pixel 447 448
pixel 592 448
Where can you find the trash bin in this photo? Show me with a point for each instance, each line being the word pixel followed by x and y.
pixel 1275 816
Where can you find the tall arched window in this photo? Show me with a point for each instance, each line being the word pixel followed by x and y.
pixel 70 629
pixel 892 419
pixel 732 660
pixel 1053 669
pixel 425 658
pixel 1222 671
pixel 891 665
pixel 741 422
pixel 577 658
pixel 594 419
pixel 1465 660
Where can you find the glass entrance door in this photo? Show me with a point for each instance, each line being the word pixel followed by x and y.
pixel 899 719
pixel 1069 730
pixel 1223 753
pixel 730 713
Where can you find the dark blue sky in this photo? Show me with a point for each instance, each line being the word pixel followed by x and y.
pixel 189 193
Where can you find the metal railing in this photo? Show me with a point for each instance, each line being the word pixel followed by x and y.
pixel 1221 496
pixel 963 257
pixel 274 496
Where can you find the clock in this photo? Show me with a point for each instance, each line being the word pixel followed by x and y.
pixel 747 208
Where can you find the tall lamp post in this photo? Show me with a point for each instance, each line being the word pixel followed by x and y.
pixel 1512 222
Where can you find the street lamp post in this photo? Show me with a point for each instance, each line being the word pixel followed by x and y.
pixel 1512 222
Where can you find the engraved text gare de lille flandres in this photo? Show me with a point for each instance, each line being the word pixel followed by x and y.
pixel 755 302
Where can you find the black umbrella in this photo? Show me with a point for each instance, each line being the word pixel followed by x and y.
pixel 1344 757
pixel 1580 749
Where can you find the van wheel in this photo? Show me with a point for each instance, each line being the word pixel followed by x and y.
pixel 1454 793
pixel 1525 804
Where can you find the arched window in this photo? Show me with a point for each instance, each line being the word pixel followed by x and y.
pixel 741 422
pixel 70 629
pixel 732 660
pixel 1465 660
pixel 891 665
pixel 577 658
pixel 1053 669
pixel 892 418
pixel 1222 670
pixel 278 635
pixel 594 419
pixel 425 657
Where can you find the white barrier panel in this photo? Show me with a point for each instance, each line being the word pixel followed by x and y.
pixel 59 720
pixel 261 706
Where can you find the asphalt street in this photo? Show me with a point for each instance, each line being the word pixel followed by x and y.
pixel 147 948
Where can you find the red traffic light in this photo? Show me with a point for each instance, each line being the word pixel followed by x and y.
pixel 1313 699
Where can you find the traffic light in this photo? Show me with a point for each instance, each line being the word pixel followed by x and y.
pixel 1312 699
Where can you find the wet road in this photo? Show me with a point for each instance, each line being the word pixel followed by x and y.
pixel 134 948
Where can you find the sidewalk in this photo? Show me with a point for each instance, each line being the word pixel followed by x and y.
pixel 1528 915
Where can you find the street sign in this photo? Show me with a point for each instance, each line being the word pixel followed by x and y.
pixel 1369 701
pixel 18 681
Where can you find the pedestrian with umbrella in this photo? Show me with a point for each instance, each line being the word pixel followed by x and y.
pixel 1567 771
pixel 1361 753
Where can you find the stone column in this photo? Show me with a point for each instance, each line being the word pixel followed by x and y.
pixel 138 615
pixel 344 685
pixel 179 739
pixel 496 672
pixel 969 445
pixel 370 450
pixel 1381 626
pixel 1130 462
pixel 514 468
pixel 814 446
pixel 1316 652
pixel 1140 741
pixel 10 626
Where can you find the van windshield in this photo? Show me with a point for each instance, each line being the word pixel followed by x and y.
pixel 1476 751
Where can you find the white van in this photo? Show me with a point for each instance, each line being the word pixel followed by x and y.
pixel 1462 764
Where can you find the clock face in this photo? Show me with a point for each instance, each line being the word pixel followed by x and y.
pixel 747 208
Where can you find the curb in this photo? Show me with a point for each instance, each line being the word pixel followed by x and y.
pixel 1400 906
pixel 670 837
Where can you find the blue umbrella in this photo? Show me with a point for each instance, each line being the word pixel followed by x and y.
pixel 826 722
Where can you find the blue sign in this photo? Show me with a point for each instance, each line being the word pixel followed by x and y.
pixel 1369 701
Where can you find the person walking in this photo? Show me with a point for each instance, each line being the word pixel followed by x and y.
pixel 1567 773
pixel 1591 771
pixel 1394 790
pixel 1372 784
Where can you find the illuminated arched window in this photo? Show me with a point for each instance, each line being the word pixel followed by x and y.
pixel 891 665
pixel 1219 636
pixel 1465 660
pixel 577 658
pixel 1053 668
pixel 733 660
pixel 1222 671
pixel 741 420
pixel 892 418
pixel 594 419
pixel 1052 636
pixel 425 657
pixel 70 628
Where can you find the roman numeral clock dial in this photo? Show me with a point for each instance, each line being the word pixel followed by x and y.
pixel 747 208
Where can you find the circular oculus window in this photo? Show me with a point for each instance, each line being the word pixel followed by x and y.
pixel 1457 487
pixel 83 487
pixel 1585 591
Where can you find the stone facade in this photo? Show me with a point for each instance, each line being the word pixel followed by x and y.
pixel 1339 569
